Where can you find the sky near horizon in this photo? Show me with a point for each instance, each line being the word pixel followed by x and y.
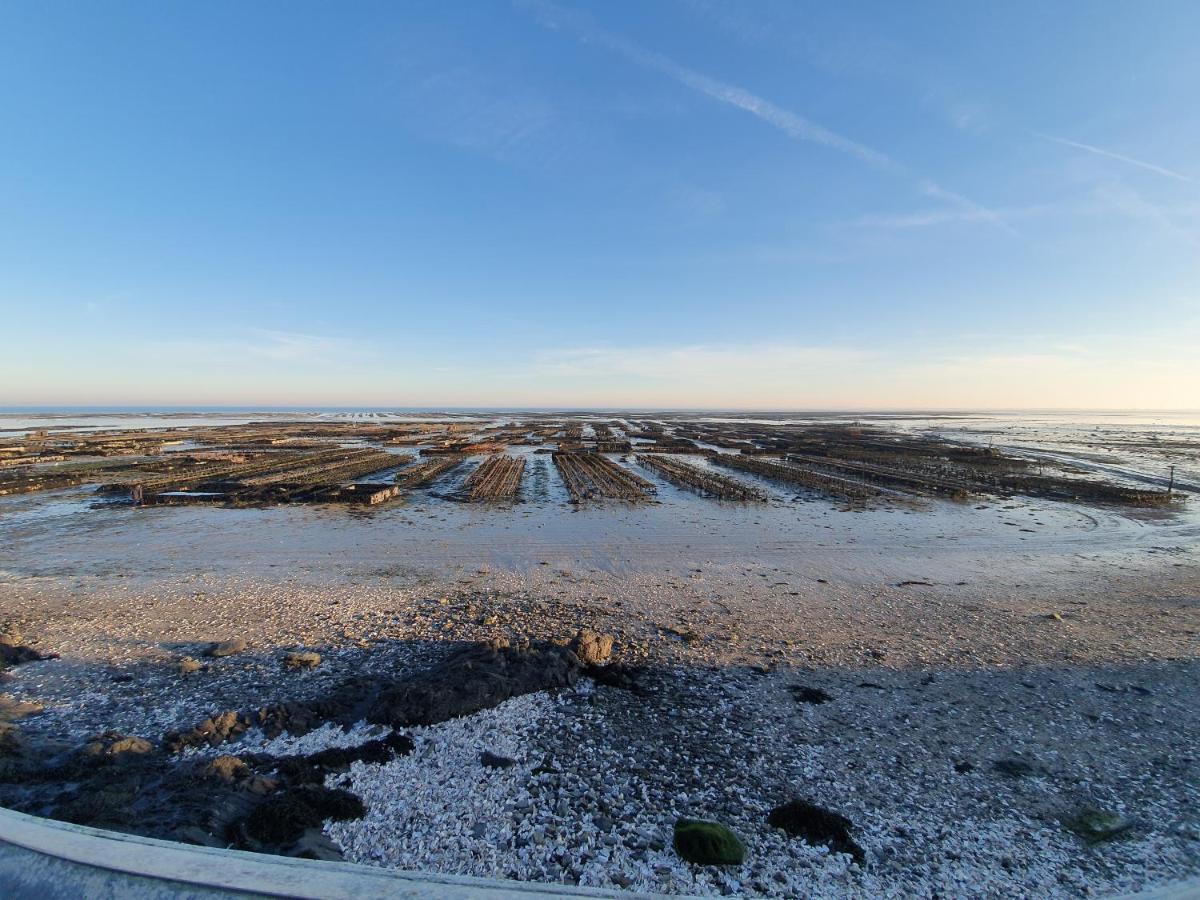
pixel 684 203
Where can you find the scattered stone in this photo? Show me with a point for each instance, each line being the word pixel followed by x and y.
pixel 591 647
pixel 1095 825
pixel 302 659
pixel 816 825
pixel 708 843
pixel 227 648
pixel 492 761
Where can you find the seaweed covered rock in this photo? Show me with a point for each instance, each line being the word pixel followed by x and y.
pixel 816 825
pixel 477 677
pixel 708 843
pixel 284 818
pixel 212 732
pixel 14 653
pixel 113 744
pixel 1095 825
pixel 313 768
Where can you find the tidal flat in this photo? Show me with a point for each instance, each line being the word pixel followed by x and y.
pixel 924 631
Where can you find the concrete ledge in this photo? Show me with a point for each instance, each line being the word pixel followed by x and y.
pixel 42 859
pixel 50 860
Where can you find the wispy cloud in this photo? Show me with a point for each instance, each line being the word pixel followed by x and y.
pixel 696 363
pixel 947 215
pixel 1119 157
pixel 792 124
pixel 260 346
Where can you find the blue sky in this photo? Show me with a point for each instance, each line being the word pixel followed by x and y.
pixel 677 203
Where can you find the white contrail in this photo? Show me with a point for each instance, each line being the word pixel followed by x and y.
pixel 795 126
pixel 792 124
pixel 1100 151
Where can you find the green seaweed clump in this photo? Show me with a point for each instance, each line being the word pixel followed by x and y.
pixel 1095 825
pixel 708 843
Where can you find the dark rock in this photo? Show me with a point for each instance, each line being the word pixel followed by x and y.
pixel 15 655
pixel 805 694
pixel 1014 767
pixel 10 739
pixel 261 785
pixel 963 767
pixel 708 843
pixel 13 710
pixel 492 761
pixel 302 659
pixel 283 819
pixel 227 648
pixel 617 675
pixel 14 755
pixel 314 844
pixel 816 825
